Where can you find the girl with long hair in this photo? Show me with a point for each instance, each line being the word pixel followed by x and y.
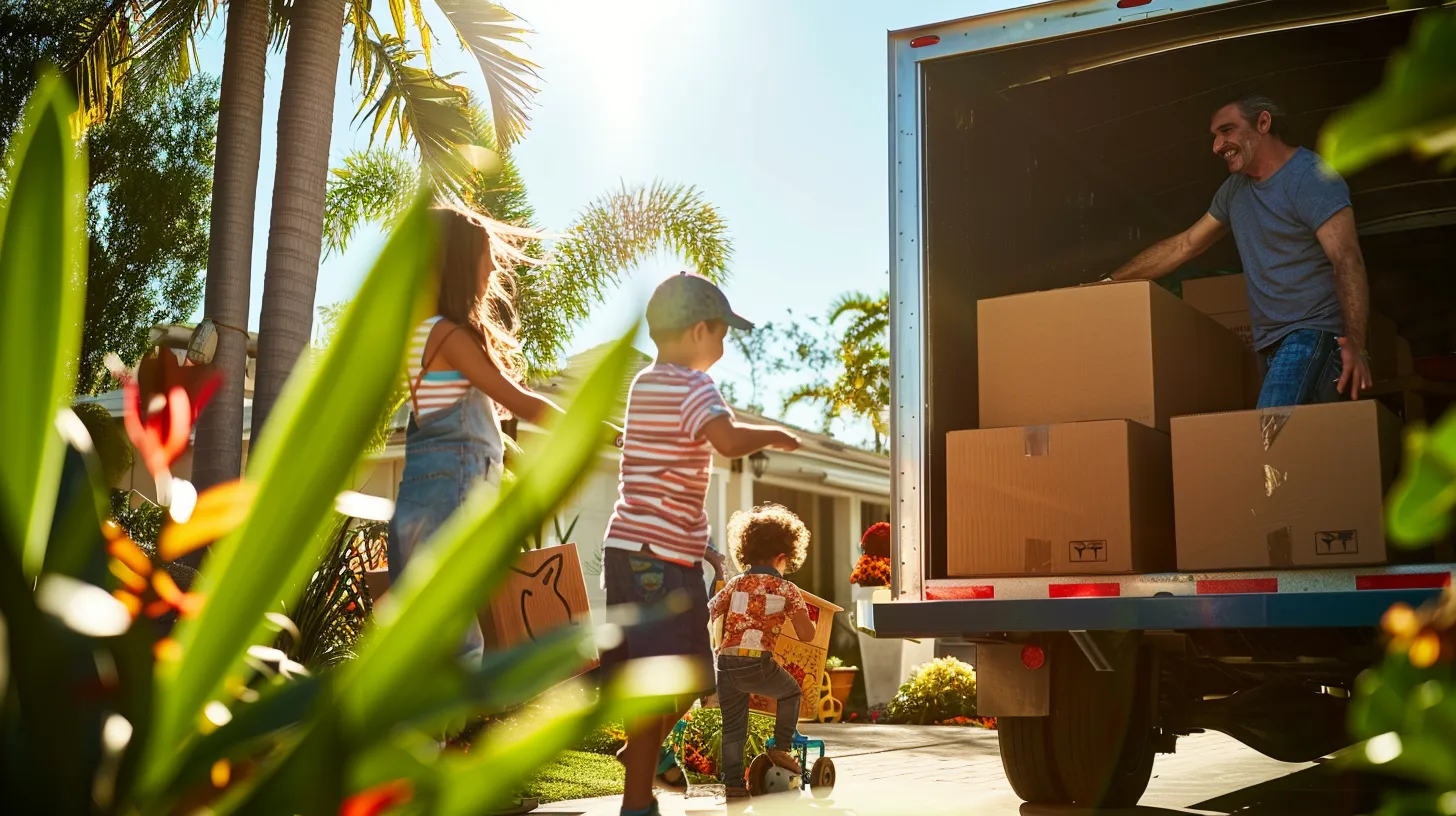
pixel 465 374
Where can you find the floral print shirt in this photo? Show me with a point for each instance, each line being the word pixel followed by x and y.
pixel 755 607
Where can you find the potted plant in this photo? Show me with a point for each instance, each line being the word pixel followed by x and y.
pixel 841 679
pixel 887 662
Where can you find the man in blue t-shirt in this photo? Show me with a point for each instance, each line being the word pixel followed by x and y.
pixel 1290 214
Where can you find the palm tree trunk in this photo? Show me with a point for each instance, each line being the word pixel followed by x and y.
pixel 295 233
pixel 218 453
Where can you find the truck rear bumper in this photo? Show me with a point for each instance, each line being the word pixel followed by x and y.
pixel 1303 610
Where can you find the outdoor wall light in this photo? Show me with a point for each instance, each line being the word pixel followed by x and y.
pixel 759 462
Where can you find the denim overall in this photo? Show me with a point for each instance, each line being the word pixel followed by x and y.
pixel 447 454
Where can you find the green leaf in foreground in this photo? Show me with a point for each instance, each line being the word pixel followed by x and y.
pixel 311 445
pixel 452 575
pixel 1414 109
pixel 42 295
pixel 1422 503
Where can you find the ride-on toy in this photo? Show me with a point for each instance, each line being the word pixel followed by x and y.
pixel 766 777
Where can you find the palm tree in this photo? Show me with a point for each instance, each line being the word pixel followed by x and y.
pixel 609 236
pixel 862 388
pixel 217 454
pixel 402 97
pixel 305 117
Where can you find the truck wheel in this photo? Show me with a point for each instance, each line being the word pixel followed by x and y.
pixel 1101 728
pixel 1026 754
pixel 1096 747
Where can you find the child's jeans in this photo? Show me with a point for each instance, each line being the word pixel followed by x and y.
pixel 739 677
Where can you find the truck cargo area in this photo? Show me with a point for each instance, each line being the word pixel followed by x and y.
pixel 1041 148
pixel 1051 164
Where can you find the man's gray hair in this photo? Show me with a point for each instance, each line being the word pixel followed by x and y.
pixel 1253 104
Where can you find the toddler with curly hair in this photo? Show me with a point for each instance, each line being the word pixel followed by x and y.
pixel 767 542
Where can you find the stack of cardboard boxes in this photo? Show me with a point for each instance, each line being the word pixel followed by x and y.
pixel 1115 438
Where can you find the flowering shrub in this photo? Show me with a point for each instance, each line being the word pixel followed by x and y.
pixel 605 740
pixel 974 722
pixel 698 742
pixel 871 571
pixel 941 690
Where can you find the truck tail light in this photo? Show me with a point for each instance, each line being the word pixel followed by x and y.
pixel 921 42
pixel 1033 657
pixel 1132 3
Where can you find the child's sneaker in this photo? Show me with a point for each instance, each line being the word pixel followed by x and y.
pixel 785 760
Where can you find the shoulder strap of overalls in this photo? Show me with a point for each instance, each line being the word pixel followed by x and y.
pixel 425 367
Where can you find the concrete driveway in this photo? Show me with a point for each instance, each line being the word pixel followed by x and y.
pixel 926 771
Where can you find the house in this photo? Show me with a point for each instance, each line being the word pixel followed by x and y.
pixel 838 490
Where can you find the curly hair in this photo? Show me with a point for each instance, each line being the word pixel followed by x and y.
pixel 756 537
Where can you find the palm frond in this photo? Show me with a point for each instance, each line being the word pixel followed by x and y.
pixel 488 31
pixel 413 101
pixel 374 186
pixel 167 38
pixel 107 39
pixel 610 236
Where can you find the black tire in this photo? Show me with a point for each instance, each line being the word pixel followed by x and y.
pixel 1100 729
pixel 821 778
pixel 1026 755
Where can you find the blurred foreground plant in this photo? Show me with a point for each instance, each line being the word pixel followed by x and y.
pixel 105 711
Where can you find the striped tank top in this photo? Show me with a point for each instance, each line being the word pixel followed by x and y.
pixel 437 389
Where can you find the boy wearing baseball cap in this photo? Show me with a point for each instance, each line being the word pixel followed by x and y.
pixel 657 538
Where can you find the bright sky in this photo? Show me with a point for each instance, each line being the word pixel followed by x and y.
pixel 776 111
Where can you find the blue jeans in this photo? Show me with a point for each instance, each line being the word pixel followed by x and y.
pixel 1302 369
pixel 738 677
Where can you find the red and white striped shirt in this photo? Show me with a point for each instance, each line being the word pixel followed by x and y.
pixel 666 464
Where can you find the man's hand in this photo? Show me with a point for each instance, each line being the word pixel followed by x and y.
pixel 1354 368
pixel 785 442
pixel 715 560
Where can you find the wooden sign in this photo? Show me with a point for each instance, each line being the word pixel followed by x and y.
pixel 545 591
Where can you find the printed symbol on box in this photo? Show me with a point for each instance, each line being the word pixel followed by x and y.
pixel 1084 551
pixel 1336 542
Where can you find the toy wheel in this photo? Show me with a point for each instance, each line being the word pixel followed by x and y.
pixel 821 777
pixel 764 777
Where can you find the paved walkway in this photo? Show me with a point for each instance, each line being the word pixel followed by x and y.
pixel 909 770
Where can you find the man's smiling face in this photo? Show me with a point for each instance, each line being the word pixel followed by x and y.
pixel 1235 139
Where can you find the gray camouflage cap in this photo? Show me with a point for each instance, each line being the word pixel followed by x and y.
pixel 686 299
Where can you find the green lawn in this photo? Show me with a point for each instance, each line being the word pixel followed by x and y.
pixel 577 775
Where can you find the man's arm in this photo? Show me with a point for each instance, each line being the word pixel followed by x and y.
pixel 735 441
pixel 1171 253
pixel 1337 237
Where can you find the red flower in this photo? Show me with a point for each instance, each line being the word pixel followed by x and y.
pixel 378 799
pixel 161 403
pixel 876 540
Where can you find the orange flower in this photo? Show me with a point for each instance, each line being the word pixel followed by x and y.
pixel 378 799
pixel 870 571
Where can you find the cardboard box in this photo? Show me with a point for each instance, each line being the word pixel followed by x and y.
pixel 803 659
pixel 1077 498
pixel 1225 298
pixel 1312 495
pixel 1113 351
pixel 545 590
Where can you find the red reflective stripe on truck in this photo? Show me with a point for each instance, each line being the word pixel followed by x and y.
pixel 1084 590
pixel 1235 586
pixel 960 593
pixel 1423 580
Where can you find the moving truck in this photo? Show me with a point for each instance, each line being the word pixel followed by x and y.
pixel 1037 149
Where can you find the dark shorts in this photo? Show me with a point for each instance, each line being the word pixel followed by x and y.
pixel 672 601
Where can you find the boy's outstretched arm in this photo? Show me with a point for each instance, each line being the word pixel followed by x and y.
pixel 735 441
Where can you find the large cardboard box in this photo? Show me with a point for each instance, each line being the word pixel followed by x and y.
pixel 1290 487
pixel 1076 498
pixel 1113 351
pixel 1225 298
